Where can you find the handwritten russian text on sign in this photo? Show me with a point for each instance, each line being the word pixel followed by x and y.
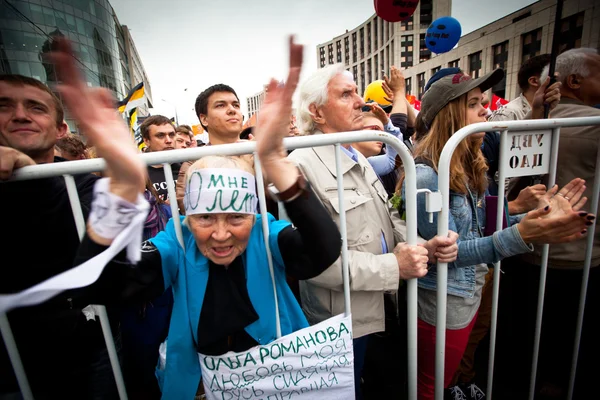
pixel 220 190
pixel 527 153
pixel 315 361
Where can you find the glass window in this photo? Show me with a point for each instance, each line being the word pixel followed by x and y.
pixel 71 22
pixel 23 68
pixel 37 15
pixel 37 71
pixel 80 26
pixel 48 16
pixel 22 7
pixel 61 21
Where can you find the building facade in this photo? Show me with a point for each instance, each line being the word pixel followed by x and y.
pixel 254 102
pixel 99 41
pixel 505 43
pixel 370 49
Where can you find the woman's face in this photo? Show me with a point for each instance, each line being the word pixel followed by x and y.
pixel 475 111
pixel 221 237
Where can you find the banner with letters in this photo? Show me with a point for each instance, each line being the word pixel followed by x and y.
pixel 527 153
pixel 315 362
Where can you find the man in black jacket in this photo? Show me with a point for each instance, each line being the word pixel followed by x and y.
pixel 62 351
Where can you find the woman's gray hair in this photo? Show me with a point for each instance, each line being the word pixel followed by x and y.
pixel 314 91
pixel 571 62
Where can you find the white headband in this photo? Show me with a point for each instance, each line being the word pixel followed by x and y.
pixel 220 190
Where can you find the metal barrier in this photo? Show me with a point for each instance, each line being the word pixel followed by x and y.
pixel 67 169
pixel 554 126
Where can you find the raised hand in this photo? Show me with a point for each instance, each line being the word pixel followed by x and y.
pixel 528 199
pixel 396 81
pixel 545 94
pixel 378 112
pixel 273 124
pixel 99 120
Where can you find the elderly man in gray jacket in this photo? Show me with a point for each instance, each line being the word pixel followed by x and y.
pixel 378 258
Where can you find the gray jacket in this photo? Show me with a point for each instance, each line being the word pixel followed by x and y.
pixel 368 216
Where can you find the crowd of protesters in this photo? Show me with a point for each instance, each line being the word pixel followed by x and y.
pixel 217 285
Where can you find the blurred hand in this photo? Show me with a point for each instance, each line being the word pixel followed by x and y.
pixel 389 93
pixel 274 121
pixel 412 260
pixel 11 159
pixel 396 81
pixel 528 199
pixel 379 113
pixel 94 111
pixel 545 95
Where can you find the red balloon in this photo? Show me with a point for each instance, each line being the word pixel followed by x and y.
pixel 395 10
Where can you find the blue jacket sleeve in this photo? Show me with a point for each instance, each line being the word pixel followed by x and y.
pixel 471 251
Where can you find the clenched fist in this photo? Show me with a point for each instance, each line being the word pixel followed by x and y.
pixel 412 260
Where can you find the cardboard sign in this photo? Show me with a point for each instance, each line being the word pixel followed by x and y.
pixel 220 190
pixel 527 153
pixel 315 362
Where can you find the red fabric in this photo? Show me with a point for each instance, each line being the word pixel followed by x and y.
pixel 456 343
pixel 496 102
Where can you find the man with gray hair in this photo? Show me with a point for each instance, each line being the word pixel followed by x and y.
pixel 577 154
pixel 378 258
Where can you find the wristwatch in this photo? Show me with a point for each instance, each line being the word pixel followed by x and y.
pixel 293 192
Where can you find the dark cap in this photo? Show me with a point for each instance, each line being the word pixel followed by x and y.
pixel 440 74
pixel 452 87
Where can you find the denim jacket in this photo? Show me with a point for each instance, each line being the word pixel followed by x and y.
pixel 473 247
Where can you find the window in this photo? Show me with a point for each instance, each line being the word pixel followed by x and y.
pixel 426 13
pixel 330 53
pixel 354 47
pixel 322 56
pixel 347 49
pixel 376 65
pixel 369 72
pixel 406 51
pixel 434 70
pixel 453 64
pixel 408 85
pixel 571 30
pixel 424 52
pixel 355 73
pixel 369 38
pixel 376 32
pixel 531 44
pixel 475 64
pixel 338 50
pixel 362 43
pixel 407 24
pixel 500 60
pixel 421 83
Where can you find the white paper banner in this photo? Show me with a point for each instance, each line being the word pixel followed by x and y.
pixel 82 275
pixel 527 153
pixel 315 362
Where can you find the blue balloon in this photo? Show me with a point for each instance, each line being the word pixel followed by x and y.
pixel 443 34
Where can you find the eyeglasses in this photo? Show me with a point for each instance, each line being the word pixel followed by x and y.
pixel 372 128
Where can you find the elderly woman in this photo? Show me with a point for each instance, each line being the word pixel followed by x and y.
pixel 452 103
pixel 222 288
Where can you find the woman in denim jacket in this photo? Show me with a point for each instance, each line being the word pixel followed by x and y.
pixel 452 103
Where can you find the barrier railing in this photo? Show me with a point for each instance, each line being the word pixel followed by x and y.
pixel 549 125
pixel 67 169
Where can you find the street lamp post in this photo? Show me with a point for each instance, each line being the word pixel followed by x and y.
pixel 175 108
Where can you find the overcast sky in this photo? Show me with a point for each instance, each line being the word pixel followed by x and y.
pixel 193 44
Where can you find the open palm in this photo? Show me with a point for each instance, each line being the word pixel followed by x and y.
pixel 94 110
